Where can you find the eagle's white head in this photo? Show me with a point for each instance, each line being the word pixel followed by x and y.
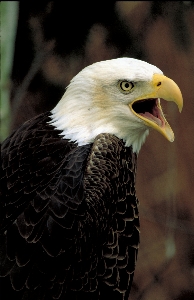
pixel 119 96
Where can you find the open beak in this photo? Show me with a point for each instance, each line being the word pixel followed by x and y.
pixel 148 106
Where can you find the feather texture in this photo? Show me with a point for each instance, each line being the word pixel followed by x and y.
pixel 69 216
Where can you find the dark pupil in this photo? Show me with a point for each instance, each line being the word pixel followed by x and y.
pixel 126 85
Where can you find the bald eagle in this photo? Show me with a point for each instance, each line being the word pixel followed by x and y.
pixel 69 211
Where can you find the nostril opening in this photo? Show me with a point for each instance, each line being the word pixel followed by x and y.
pixel 159 83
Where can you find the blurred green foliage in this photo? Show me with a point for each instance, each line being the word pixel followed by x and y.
pixel 9 19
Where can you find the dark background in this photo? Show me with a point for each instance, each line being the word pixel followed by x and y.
pixel 54 41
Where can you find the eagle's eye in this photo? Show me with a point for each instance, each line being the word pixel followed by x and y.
pixel 126 86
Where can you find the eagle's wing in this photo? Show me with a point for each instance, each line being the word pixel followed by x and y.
pixel 65 232
pixel 42 190
pixel 110 185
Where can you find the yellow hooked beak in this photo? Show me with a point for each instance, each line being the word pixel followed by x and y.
pixel 148 107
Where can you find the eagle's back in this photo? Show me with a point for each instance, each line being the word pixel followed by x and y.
pixel 69 215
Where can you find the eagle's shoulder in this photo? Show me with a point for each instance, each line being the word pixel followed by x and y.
pixel 34 132
pixel 34 159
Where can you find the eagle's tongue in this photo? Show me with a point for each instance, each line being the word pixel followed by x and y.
pixel 152 118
